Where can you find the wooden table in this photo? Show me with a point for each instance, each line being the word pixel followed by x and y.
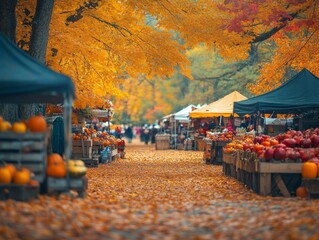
pixel 266 170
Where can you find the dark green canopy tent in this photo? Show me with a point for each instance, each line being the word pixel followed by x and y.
pixel 24 80
pixel 297 95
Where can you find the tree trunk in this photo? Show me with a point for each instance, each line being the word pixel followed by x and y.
pixel 8 28
pixel 38 46
pixel 40 30
pixel 8 18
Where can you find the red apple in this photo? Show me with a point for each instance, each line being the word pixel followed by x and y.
pixel 258 139
pixel 305 143
pixel 314 160
pixel 269 154
pixel 293 155
pixel 289 142
pixel 304 155
pixel 315 140
pixel 280 153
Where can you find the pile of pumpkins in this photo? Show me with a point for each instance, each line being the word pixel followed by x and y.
pixel 34 124
pixel 96 136
pixel 57 167
pixel 10 174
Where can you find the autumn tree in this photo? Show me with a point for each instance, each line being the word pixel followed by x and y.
pixel 101 44
pixel 290 25
pixel 38 44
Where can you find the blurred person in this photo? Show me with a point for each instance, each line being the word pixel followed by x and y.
pixel 153 134
pixel 146 135
pixel 129 133
pixel 118 132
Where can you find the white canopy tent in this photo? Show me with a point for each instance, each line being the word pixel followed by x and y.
pixel 181 116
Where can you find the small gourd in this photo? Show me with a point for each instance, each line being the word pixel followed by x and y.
pixel 77 168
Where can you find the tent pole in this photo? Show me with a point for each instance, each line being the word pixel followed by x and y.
pixel 67 133
pixel 175 132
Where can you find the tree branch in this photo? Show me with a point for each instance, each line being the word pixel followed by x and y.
pixel 282 23
pixel 114 25
pixel 78 15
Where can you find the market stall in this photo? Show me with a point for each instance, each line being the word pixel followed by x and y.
pixel 296 96
pixel 270 163
pixel 24 81
pixel 215 111
pixel 181 122
pixel 178 124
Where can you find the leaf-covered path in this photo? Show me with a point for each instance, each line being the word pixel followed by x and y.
pixel 164 194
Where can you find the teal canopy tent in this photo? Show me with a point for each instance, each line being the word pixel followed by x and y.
pixel 24 80
pixel 297 95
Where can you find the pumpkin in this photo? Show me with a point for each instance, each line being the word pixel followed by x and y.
pixel 77 168
pixel 56 167
pixel 106 143
pixel 301 192
pixel 54 157
pixel 11 168
pixel 21 176
pixel 5 126
pixel 37 124
pixel 309 170
pixel 19 127
pixel 5 175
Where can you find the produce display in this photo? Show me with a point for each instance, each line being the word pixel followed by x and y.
pixel 96 136
pixel 225 136
pixel 35 124
pixel 293 152
pixel 10 174
pixel 21 141
pixel 292 146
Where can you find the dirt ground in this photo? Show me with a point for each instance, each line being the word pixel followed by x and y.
pixel 160 194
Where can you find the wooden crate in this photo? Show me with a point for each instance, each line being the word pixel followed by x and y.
pixel 162 142
pixel 217 155
pixel 312 186
pixel 114 154
pixel 18 192
pixel 179 146
pixel 90 162
pixel 57 185
pixel 29 150
pixel 200 144
pixel 277 178
pixel 97 147
pixel 221 143
pixel 188 144
pixel 81 149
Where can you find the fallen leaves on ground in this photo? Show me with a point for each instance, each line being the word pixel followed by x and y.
pixel 160 194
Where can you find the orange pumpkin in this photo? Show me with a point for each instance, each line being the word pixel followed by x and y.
pixel 106 143
pixel 54 157
pixel 309 170
pixel 37 124
pixel 21 176
pixel 301 192
pixel 5 175
pixel 11 168
pixel 56 166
